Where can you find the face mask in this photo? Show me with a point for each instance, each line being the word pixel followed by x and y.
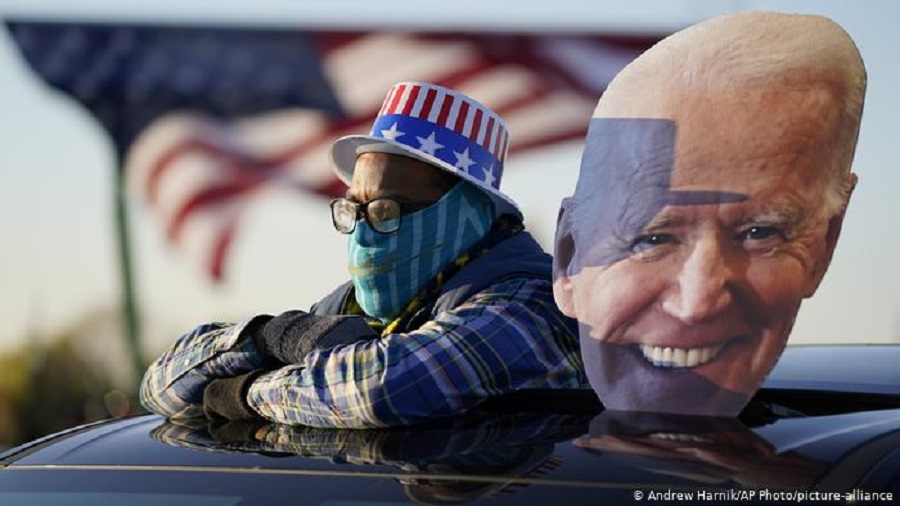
pixel 389 269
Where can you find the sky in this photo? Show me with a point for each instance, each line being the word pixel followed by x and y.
pixel 58 260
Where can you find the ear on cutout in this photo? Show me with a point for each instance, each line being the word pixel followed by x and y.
pixel 831 236
pixel 563 255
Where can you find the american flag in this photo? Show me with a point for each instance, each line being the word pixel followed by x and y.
pixel 205 118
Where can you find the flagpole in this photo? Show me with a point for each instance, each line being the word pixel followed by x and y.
pixel 130 313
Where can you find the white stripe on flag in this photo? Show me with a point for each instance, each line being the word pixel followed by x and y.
pixel 272 133
pixel 312 167
pixel 593 63
pixel 564 110
pixel 499 86
pixel 360 77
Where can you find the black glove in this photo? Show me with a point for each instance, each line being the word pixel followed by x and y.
pixel 289 337
pixel 227 397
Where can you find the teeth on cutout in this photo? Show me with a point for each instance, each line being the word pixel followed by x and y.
pixel 682 438
pixel 679 358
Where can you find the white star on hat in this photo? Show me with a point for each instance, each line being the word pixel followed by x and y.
pixel 429 144
pixel 392 133
pixel 463 161
pixel 489 175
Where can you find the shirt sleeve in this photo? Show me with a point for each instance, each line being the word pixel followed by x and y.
pixel 506 338
pixel 173 384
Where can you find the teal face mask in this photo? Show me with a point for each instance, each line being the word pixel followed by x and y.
pixel 388 270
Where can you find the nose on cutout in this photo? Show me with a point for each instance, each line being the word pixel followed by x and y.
pixel 701 288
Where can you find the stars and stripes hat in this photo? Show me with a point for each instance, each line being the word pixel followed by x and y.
pixel 438 126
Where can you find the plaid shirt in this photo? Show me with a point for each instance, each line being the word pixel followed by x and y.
pixel 507 337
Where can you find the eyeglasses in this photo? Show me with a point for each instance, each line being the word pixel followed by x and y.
pixel 383 214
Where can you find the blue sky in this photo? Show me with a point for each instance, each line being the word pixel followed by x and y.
pixel 58 259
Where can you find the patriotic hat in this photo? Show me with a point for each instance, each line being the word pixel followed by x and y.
pixel 438 126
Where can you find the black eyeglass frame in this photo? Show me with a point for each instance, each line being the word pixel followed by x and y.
pixel 361 209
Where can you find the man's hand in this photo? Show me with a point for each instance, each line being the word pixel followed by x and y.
pixel 289 337
pixel 227 397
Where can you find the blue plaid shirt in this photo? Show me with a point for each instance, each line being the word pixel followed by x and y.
pixel 507 337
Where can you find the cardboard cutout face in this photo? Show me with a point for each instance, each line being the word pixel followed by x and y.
pixel 690 242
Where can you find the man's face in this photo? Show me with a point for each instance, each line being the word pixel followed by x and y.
pixel 387 175
pixel 687 262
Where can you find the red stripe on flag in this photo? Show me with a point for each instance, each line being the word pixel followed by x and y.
pixel 154 176
pixel 521 147
pixel 239 165
pixel 206 197
pixel 429 102
pixel 220 250
pixel 461 117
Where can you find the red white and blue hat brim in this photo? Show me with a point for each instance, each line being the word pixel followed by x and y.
pixel 345 150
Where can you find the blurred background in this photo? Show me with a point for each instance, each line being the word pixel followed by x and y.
pixel 219 188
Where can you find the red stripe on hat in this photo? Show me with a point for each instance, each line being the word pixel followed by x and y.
pixel 476 124
pixel 429 102
pixel 504 144
pixel 398 92
pixel 488 135
pixel 411 101
pixel 496 133
pixel 445 110
pixel 461 117
pixel 387 100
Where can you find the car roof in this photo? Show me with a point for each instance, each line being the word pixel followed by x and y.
pixel 854 368
pixel 538 452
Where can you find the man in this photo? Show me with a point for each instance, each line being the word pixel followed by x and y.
pixel 449 303
pixel 713 185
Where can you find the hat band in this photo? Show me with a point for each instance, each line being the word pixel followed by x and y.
pixel 443 144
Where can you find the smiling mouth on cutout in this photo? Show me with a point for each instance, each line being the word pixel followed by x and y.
pixel 668 357
pixel 677 437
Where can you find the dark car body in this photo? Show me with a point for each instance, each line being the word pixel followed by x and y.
pixel 825 425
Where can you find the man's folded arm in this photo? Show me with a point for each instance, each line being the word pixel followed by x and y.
pixel 194 377
pixel 174 383
pixel 498 342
